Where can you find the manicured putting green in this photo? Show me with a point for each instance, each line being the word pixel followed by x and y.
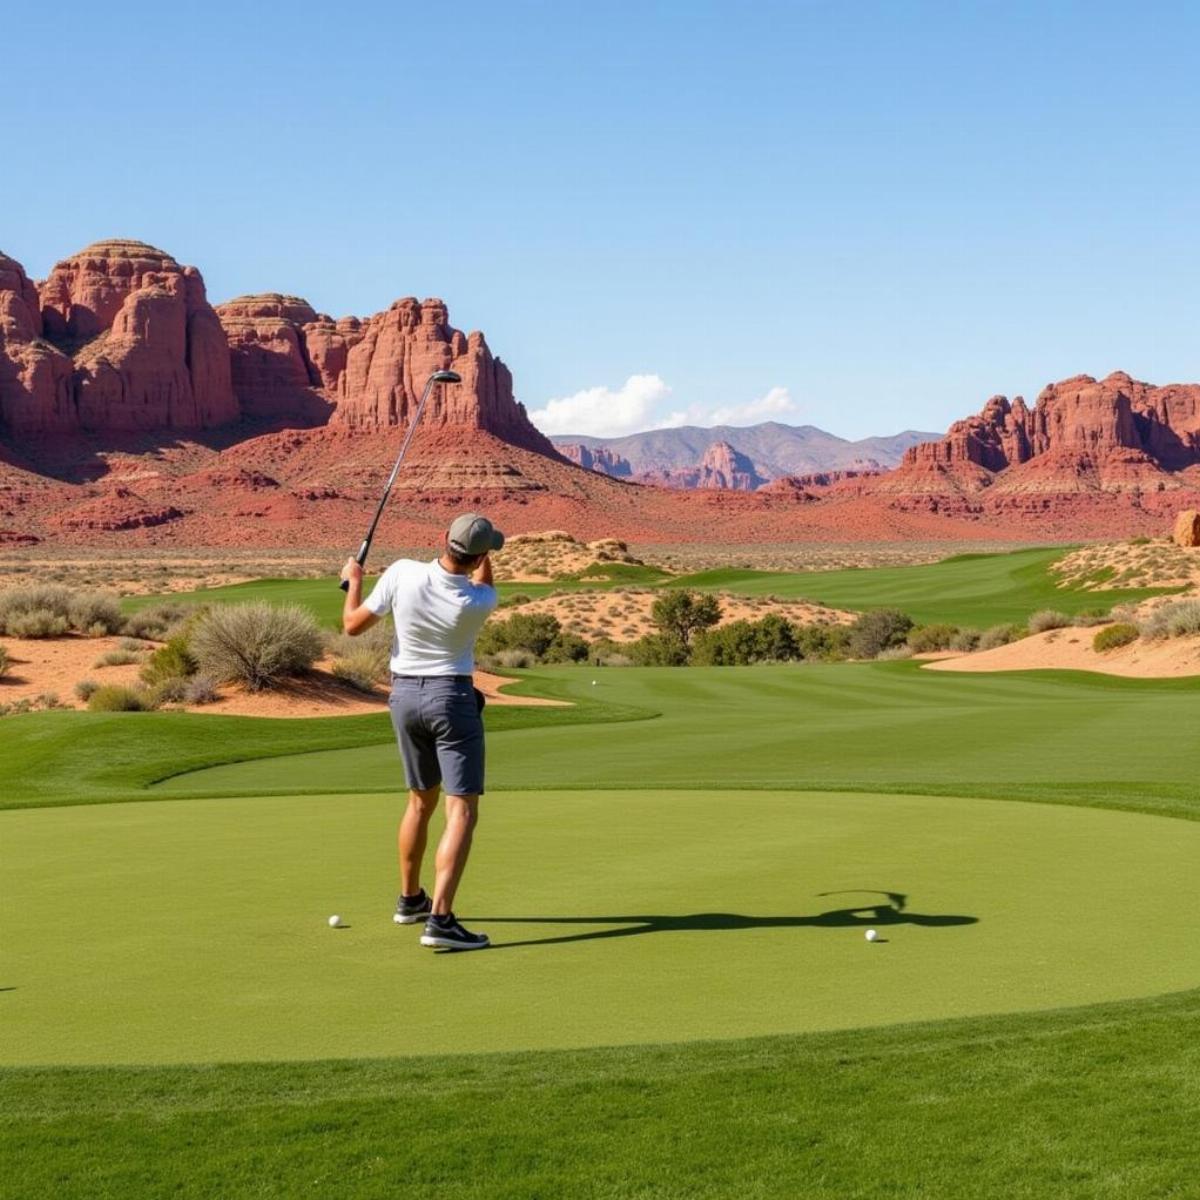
pixel 196 931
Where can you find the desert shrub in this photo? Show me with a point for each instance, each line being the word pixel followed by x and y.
pixel 677 615
pixel 135 644
pixel 160 621
pixel 999 635
pixel 200 689
pixel 172 661
pixel 1178 619
pixel 257 643
pixel 534 633
pixel 515 599
pixel 85 689
pixel 1047 619
pixel 364 660
pixel 1090 617
pixel 41 606
pixel 96 614
pixel 894 653
pixel 770 639
pixel 114 698
pixel 37 623
pixel 658 650
pixel 924 639
pixel 3 660
pixel 511 658
pixel 566 647
pixel 1120 634
pixel 876 631
pixel 604 652
pixel 171 690
pixel 359 670
pixel 965 640
pixel 117 658
pixel 822 643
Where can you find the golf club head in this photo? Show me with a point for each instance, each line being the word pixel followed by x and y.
pixel 445 377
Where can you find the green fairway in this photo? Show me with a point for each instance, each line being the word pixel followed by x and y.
pixel 737 916
pixel 973 590
pixel 872 726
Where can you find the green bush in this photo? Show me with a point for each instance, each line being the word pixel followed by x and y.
pixel 1180 618
pixel 114 698
pixel 770 639
pixel 822 643
pixel 679 614
pixel 172 661
pixel 926 639
pixel 96 614
pixel 566 647
pixel 1113 636
pixel 1047 619
pixel 658 650
pixel 256 644
pixel 534 633
pixel 876 631
pixel 85 689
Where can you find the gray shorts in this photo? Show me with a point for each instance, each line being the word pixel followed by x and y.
pixel 439 726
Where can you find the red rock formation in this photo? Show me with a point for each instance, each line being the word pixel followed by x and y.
pixel 595 458
pixel 35 378
pixel 721 469
pixel 1083 435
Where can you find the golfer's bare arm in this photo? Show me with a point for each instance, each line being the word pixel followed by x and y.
pixel 356 616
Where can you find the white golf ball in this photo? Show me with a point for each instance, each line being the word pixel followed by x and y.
pixel 593 683
pixel 334 921
pixel 871 935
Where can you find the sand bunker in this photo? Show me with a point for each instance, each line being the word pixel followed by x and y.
pixel 1071 650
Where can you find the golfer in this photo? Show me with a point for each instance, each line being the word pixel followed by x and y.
pixel 438 608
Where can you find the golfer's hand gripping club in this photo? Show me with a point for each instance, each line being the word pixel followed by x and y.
pixel 364 549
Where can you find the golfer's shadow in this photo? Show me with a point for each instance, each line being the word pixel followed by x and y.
pixel 890 913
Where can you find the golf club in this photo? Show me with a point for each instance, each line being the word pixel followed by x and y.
pixel 364 549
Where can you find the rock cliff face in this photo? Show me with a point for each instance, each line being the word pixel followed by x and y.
pixel 607 462
pixel 124 340
pixel 1083 434
pixel 721 469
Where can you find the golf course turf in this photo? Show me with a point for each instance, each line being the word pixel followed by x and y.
pixel 673 1007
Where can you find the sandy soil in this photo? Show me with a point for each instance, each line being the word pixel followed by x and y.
pixel 38 666
pixel 1071 650
pixel 1155 563
pixel 624 615
pixel 543 557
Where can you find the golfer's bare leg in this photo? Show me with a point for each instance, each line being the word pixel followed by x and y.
pixel 414 833
pixel 462 815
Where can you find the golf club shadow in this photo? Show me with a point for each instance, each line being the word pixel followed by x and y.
pixel 863 917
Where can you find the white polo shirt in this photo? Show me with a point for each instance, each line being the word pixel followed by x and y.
pixel 438 616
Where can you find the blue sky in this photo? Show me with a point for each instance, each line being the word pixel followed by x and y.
pixel 864 216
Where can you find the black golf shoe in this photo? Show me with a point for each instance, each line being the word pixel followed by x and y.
pixel 412 910
pixel 446 933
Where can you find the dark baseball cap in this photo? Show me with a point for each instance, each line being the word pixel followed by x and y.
pixel 472 535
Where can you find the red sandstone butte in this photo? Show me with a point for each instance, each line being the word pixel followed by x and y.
pixel 596 458
pixel 722 468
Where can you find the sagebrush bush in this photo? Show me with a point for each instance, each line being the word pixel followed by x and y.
pixel 96 614
pixel 1178 619
pixel 46 600
pixel 160 621
pixel 117 658
pixel 257 644
pixel 114 698
pixel 965 640
pixel 37 623
pixel 925 639
pixel 1120 634
pixel 359 669
pixel 172 661
pixel 1046 619
pixel 876 631
pixel 171 690
pixel 85 689
pixel 3 660
pixel 999 635
pixel 200 689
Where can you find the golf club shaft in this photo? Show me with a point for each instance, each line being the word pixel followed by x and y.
pixel 364 549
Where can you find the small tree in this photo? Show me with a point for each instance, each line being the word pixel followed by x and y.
pixel 877 631
pixel 679 614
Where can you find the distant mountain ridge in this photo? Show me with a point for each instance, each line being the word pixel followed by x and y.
pixel 774 449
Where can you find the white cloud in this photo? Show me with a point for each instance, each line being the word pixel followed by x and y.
pixel 775 404
pixel 602 412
